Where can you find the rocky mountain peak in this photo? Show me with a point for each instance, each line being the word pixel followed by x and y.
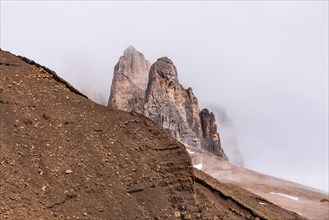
pixel 168 104
pixel 129 81
pixel 65 157
pixel 163 99
pixel 131 51
pixel 164 69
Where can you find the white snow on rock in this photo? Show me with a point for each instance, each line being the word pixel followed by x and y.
pixel 284 195
pixel 198 166
pixel 262 203
pixel 190 152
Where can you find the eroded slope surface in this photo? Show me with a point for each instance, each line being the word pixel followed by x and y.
pixel 305 201
pixel 64 156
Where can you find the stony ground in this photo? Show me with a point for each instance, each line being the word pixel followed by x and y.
pixel 306 201
pixel 66 157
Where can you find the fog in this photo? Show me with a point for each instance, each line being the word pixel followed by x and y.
pixel 265 62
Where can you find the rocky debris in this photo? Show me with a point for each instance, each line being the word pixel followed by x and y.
pixel 129 81
pixel 177 214
pixel 66 157
pixel 163 99
pixel 46 72
pixel 68 171
pixel 288 195
pixel 239 197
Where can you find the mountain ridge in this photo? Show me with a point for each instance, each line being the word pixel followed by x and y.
pixel 165 101
pixel 64 156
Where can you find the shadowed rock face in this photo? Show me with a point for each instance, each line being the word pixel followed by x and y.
pixel 129 81
pixel 163 99
pixel 210 141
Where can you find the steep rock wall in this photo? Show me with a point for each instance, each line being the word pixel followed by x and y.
pixel 129 81
pixel 170 105
pixel 159 96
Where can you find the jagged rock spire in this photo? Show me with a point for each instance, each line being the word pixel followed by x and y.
pixel 210 139
pixel 170 105
pixel 129 81
pixel 159 96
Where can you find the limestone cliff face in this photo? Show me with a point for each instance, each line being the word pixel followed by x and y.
pixel 170 105
pixel 211 140
pixel 129 81
pixel 164 100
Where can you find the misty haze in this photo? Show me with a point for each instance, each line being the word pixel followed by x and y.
pixel 259 68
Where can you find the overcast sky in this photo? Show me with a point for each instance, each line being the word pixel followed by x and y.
pixel 265 62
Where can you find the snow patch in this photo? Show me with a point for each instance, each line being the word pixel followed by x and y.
pixel 190 152
pixel 262 203
pixel 284 195
pixel 198 166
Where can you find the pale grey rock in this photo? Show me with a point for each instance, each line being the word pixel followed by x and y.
pixel 170 105
pixel 129 81
pixel 177 111
pixel 159 96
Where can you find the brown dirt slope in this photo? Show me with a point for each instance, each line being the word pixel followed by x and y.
pixel 64 156
pixel 239 197
pixel 307 202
